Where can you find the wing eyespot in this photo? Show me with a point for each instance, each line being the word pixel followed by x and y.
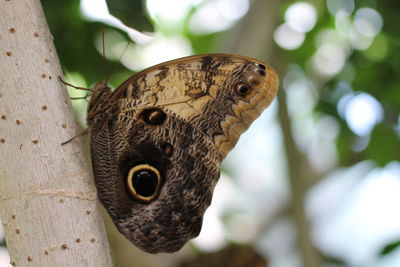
pixel 154 116
pixel 261 66
pixel 144 183
pixel 242 89
pixel 167 148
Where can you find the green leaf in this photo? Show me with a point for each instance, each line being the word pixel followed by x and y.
pixel 389 248
pixel 131 13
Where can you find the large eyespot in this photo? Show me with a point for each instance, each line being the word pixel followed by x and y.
pixel 242 89
pixel 144 182
pixel 153 116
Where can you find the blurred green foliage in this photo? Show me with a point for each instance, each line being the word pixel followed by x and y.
pixel 378 77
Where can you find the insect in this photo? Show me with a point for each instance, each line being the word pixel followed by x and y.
pixel 157 141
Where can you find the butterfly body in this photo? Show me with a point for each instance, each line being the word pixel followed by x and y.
pixel 158 140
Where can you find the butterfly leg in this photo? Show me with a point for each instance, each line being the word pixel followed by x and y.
pixel 81 133
pixel 73 86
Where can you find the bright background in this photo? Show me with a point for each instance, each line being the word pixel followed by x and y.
pixel 316 179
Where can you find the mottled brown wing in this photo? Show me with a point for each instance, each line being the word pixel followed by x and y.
pixel 203 90
pixel 157 142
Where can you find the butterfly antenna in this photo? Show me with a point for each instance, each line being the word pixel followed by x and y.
pixel 118 63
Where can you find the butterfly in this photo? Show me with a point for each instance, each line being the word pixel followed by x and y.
pixel 157 141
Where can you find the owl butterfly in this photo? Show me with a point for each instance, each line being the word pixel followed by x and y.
pixel 158 140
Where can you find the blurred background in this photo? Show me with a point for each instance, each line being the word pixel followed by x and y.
pixel 316 180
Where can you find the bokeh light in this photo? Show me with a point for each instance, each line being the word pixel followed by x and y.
pixel 288 38
pixel 329 59
pixel 361 111
pixel 217 15
pixel 301 17
pixel 368 21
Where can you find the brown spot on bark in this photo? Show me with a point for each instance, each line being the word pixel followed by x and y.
pixel 12 262
pixel 64 246
pixel 12 30
pixel 18 122
pixel 46 252
pixel 3 117
pixel 64 125
pixel 9 53
pixel 49 77
pixel 13 216
pixel 2 140
pixel 77 240
pixel 44 107
pixel 46 60
pixel 17 231
pixel 61 200
pixel 87 212
pixel 93 240
pixel 29 258
pixel 43 75
pixel 35 141
pixel 36 34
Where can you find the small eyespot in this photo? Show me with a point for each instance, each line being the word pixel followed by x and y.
pixel 261 66
pixel 167 149
pixel 261 72
pixel 242 89
pixel 154 116
pixel 254 81
pixel 144 182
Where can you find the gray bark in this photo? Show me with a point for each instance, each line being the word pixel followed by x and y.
pixel 48 202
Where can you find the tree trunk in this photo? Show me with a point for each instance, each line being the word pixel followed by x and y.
pixel 48 202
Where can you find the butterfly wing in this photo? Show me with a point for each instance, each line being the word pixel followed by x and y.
pixel 158 140
pixel 203 90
